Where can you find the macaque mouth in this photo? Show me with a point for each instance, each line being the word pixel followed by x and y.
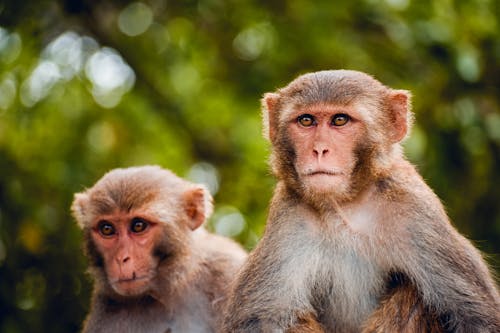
pixel 323 172
pixel 134 278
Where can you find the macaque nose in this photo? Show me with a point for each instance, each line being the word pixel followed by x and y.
pixel 320 151
pixel 321 141
pixel 122 258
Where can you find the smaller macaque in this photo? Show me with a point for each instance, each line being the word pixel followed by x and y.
pixel 155 268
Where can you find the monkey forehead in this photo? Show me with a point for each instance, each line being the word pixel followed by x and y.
pixel 134 188
pixel 163 213
pixel 332 86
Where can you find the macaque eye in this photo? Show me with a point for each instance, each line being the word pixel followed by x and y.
pixel 306 120
pixel 138 225
pixel 106 229
pixel 340 119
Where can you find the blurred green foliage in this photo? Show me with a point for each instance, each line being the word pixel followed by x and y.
pixel 87 86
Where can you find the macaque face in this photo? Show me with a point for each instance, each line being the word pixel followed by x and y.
pixel 126 243
pixel 325 137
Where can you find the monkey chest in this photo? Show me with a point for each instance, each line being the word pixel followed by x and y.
pixel 190 316
pixel 344 284
pixel 131 318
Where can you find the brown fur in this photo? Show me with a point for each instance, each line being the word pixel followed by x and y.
pixel 306 324
pixel 188 269
pixel 403 311
pixel 349 214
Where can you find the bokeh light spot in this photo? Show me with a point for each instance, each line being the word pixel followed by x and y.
pixel 31 237
pixel 101 137
pixel 10 46
pixel 228 221
pixel 185 79
pixel 468 65
pixel 39 83
pixel 7 92
pixel 111 77
pixel 250 43
pixel 205 173
pixel 135 19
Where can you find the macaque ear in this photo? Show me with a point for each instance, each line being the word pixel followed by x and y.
pixel 270 117
pixel 198 206
pixel 78 208
pixel 400 107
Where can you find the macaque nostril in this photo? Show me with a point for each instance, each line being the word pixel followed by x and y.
pixel 320 151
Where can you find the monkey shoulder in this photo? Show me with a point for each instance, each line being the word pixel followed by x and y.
pixel 219 251
pixel 219 260
pixel 403 193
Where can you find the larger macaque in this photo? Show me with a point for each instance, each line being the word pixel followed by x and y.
pixel 156 269
pixel 355 240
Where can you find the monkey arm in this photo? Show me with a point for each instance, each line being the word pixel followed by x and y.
pixel 438 292
pixel 403 311
pixel 306 324
pixel 261 295
pixel 264 293
pixel 449 275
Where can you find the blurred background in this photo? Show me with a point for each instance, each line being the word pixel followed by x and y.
pixel 87 86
